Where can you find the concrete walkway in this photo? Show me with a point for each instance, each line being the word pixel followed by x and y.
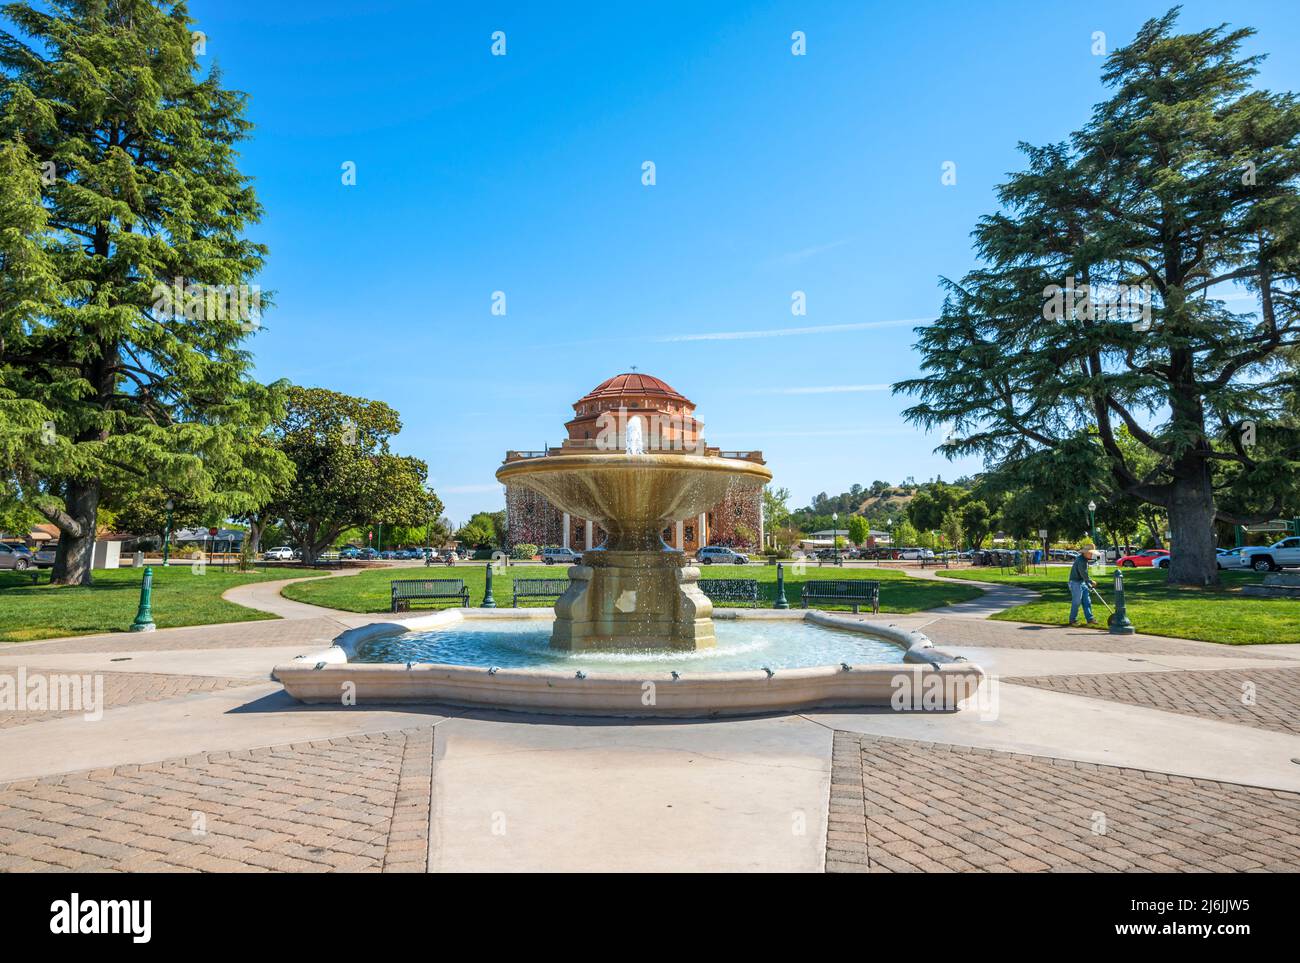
pixel 266 597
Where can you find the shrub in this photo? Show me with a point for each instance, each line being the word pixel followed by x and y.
pixel 523 551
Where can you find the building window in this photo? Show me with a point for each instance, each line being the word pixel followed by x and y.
pixel 690 533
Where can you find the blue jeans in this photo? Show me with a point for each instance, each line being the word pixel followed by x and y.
pixel 1079 594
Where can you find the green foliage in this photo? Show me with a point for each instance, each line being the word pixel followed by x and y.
pixel 951 527
pixel 480 531
pixel 101 392
pixel 345 473
pixel 776 511
pixel 859 530
pixel 931 504
pixel 523 551
pixel 976 520
pixel 905 535
pixel 1183 181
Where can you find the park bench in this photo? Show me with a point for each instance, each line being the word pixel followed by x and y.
pixel 855 592
pixel 733 590
pixel 430 589
pixel 538 588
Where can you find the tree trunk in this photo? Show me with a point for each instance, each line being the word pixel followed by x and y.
pixel 1191 523
pixel 72 564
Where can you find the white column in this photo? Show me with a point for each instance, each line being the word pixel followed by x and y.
pixel 761 522
pixel 565 523
pixel 681 538
pixel 701 535
pixel 586 523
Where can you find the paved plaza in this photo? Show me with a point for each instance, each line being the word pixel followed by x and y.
pixel 1085 752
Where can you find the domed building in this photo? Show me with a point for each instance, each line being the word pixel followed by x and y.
pixel 636 412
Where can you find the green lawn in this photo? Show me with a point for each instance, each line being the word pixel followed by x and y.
pixel 369 591
pixel 1156 608
pixel 180 597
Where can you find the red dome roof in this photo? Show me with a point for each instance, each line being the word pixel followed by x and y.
pixel 635 384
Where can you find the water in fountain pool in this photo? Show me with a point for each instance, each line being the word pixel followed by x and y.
pixel 523 643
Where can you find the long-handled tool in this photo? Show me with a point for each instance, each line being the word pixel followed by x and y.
pixel 1093 590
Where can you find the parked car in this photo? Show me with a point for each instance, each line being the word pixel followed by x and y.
pixel 564 556
pixel 1144 559
pixel 44 555
pixel 915 554
pixel 349 552
pixel 281 553
pixel 720 554
pixel 1230 558
pixel 1270 558
pixel 16 556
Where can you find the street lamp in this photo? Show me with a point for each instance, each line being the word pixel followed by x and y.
pixel 835 535
pixel 1092 522
pixel 167 535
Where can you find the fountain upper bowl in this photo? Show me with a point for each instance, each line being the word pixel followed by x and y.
pixel 628 493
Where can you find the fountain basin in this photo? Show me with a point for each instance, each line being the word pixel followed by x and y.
pixel 324 677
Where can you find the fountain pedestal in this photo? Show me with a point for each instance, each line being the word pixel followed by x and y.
pixel 633 600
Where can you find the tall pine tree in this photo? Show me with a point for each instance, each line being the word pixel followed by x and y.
pixel 122 361
pixel 1185 180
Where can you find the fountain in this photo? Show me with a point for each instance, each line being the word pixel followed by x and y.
pixel 633 591
pixel 633 634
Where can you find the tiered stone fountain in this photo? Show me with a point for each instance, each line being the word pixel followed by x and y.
pixel 634 591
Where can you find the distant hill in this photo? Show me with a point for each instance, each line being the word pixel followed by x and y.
pixel 891 501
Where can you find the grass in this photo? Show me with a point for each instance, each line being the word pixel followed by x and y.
pixel 1220 614
pixel 369 591
pixel 180 597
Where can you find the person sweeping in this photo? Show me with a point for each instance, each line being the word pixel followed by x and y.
pixel 1080 584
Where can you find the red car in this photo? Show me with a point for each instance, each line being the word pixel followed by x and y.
pixel 1147 558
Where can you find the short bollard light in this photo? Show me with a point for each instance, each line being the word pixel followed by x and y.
pixel 781 602
pixel 488 601
pixel 144 615
pixel 1118 621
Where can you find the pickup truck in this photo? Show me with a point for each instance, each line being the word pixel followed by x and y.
pixel 1270 558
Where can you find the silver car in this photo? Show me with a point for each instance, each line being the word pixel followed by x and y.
pixel 17 557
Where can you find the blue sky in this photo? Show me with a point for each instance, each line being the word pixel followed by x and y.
pixel 523 174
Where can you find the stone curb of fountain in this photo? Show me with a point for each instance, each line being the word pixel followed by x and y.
pixel 317 676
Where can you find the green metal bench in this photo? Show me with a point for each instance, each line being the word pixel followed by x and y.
pixel 731 590
pixel 408 590
pixel 538 588
pixel 855 592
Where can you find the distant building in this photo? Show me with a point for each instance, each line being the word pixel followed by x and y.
pixel 667 422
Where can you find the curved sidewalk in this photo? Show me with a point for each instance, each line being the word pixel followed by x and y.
pixel 266 597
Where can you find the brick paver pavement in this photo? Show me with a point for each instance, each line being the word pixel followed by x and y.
pixel 352 804
pixel 120 689
pixel 229 635
pixel 901 806
pixel 1266 698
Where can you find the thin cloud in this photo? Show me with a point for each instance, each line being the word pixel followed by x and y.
pixel 791 332
pixel 796 257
